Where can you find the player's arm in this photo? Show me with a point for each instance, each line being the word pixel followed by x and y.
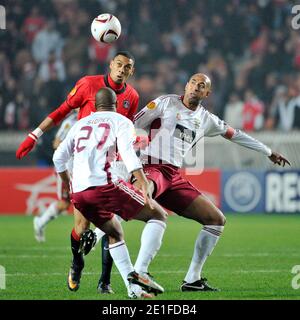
pixel 125 139
pixel 62 155
pixel 148 114
pixel 219 127
pixel 75 99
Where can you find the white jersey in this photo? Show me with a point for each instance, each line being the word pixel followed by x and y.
pixel 65 126
pixel 175 129
pixel 62 132
pixel 93 141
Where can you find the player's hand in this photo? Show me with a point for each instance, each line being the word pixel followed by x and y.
pixel 66 191
pixel 141 143
pixel 26 146
pixel 146 190
pixel 277 158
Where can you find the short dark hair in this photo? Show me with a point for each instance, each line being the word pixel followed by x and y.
pixel 126 54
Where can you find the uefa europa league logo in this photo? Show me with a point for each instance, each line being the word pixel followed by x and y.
pixel 2 18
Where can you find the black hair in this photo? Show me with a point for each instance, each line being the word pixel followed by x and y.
pixel 126 54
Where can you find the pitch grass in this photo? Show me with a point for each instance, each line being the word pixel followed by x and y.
pixel 253 259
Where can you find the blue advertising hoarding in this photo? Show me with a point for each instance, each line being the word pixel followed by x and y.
pixel 243 191
pixel 261 191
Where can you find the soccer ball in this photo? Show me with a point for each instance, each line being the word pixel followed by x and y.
pixel 106 28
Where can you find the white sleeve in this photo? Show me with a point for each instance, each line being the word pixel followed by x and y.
pixel 63 130
pixel 64 152
pixel 148 114
pixel 216 126
pixel 125 139
pixel 249 142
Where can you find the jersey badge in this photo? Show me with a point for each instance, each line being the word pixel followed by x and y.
pixel 151 105
pixel 178 116
pixel 126 104
pixel 73 91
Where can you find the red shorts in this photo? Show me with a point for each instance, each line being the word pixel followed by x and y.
pixel 171 190
pixel 98 204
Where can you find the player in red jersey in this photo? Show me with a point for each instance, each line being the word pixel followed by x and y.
pixel 82 96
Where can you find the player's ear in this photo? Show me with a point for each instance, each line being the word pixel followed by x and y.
pixel 111 64
pixel 208 93
pixel 132 71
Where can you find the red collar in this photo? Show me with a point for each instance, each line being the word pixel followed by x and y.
pixel 118 88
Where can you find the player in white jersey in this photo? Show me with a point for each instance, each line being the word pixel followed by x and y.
pixel 98 193
pixel 63 202
pixel 184 121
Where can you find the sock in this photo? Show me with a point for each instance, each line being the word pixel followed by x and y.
pixel 99 234
pixel 205 243
pixel 77 257
pixel 107 261
pixel 51 213
pixel 151 240
pixel 120 255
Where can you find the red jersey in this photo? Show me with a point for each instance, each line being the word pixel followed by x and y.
pixel 83 96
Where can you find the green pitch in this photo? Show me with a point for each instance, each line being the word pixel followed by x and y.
pixel 253 259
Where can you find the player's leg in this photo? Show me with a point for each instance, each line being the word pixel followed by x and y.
pixel 205 212
pixel 81 224
pixel 52 212
pixel 104 285
pixel 119 252
pixel 151 240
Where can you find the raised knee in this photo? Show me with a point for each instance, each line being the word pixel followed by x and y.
pixel 220 220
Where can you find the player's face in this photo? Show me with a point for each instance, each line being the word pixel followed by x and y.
pixel 121 68
pixel 197 89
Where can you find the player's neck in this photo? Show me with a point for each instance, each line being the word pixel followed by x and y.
pixel 189 106
pixel 113 85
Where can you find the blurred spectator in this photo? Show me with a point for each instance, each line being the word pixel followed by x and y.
pixel 253 111
pixel 285 113
pixel 234 111
pixel 46 41
pixel 33 24
pixel 53 65
pixel 245 47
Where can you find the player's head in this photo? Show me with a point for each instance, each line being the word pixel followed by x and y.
pixel 121 66
pixel 106 100
pixel 197 89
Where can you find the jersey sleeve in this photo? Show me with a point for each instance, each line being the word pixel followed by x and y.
pixel 78 94
pixel 152 111
pixel 75 99
pixel 64 152
pixel 125 139
pixel 216 126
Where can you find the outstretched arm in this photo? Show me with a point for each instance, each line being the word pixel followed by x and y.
pixel 74 100
pixel 55 117
pixel 219 127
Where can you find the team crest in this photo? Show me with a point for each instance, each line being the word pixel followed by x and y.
pixel 126 104
pixel 178 116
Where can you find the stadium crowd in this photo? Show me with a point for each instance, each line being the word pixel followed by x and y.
pixel 249 49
